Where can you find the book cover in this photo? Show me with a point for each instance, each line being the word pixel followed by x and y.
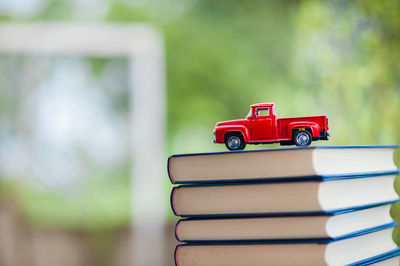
pixel 312 163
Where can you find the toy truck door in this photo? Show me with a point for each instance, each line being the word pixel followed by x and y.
pixel 261 125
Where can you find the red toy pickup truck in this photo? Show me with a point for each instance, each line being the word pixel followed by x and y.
pixel 263 126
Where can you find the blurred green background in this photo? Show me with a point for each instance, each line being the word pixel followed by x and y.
pixel 334 58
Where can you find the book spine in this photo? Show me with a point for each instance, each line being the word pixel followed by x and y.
pixel 176 255
pixel 169 170
pixel 176 231
pixel 172 200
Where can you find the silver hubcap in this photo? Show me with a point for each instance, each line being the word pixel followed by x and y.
pixel 302 138
pixel 234 142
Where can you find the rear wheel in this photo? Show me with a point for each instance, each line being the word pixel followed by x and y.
pixel 302 138
pixel 235 142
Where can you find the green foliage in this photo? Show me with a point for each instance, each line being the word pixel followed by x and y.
pixel 102 204
pixel 97 65
pixel 57 10
pixel 124 13
pixel 396 235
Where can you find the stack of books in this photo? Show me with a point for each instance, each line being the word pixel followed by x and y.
pixel 299 206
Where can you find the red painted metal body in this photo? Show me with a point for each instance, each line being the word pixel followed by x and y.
pixel 263 126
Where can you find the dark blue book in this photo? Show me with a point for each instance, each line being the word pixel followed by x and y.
pixel 312 163
pixel 318 228
pixel 362 249
pixel 283 198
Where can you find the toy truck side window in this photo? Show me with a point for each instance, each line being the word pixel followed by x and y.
pixel 264 112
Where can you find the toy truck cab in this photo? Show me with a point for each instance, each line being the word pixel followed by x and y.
pixel 263 121
pixel 262 125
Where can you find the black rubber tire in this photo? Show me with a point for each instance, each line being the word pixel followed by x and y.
pixel 234 142
pixel 302 138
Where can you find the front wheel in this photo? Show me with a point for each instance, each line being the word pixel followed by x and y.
pixel 235 142
pixel 302 138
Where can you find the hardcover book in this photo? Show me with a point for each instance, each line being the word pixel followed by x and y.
pixel 320 162
pixel 302 228
pixel 285 198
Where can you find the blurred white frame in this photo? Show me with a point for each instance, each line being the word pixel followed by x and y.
pixel 143 45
